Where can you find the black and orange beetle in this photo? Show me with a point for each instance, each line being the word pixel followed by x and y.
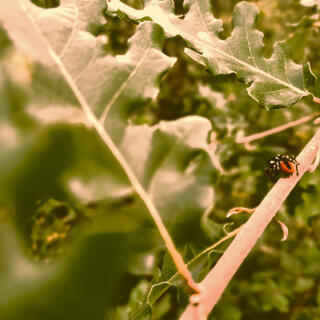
pixel 282 166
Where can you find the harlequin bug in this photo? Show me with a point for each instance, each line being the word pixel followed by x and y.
pixel 282 166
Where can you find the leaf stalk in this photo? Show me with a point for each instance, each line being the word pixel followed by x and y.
pixel 218 278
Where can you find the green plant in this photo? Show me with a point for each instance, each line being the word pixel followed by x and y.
pixel 123 148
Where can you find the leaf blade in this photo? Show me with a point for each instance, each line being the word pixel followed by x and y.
pixel 273 82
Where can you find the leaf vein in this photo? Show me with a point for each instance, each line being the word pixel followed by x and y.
pixel 122 87
pixel 249 44
pixel 72 33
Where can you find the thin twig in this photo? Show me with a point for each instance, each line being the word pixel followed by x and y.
pixel 248 139
pixel 218 278
pixel 177 258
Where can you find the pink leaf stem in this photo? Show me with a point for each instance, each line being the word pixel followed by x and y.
pixel 218 278
pixel 248 139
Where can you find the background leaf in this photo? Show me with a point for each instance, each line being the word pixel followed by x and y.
pixel 276 81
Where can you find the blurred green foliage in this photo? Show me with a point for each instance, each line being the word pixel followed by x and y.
pixel 67 257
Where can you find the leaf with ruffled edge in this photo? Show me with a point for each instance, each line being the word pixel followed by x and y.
pixel 273 82
pixel 104 81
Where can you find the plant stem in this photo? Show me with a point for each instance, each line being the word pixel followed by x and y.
pixel 263 134
pixel 316 100
pixel 218 278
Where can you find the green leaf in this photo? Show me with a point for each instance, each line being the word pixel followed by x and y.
pixel 276 81
pixel 105 82
pixel 230 311
pixel 304 284
pixel 81 286
pixel 4 41
pixel 136 300
pixel 173 162
pixel 69 162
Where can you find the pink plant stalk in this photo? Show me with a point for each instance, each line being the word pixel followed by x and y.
pixel 218 278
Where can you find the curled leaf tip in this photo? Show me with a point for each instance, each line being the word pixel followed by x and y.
pixel 225 227
pixel 237 210
pixel 285 230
